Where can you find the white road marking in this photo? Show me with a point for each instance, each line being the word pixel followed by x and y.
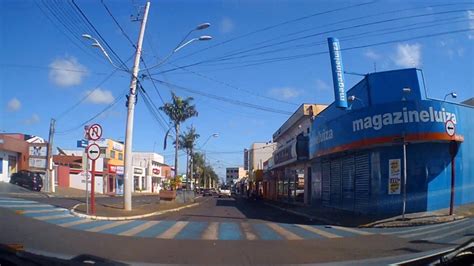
pixel 69 224
pixel 430 230
pixel 26 205
pixel 284 232
pixel 423 228
pixel 211 232
pixel 42 211
pixel 44 218
pixel 139 228
pixel 173 230
pixel 351 230
pixel 248 231
pixel 107 226
pixel 318 231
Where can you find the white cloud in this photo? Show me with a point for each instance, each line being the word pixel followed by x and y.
pixel 408 55
pixel 321 85
pixel 285 93
pixel 372 55
pixel 66 72
pixel 470 16
pixel 13 105
pixel 226 25
pixel 99 96
pixel 34 119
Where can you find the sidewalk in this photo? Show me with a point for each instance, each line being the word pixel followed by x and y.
pixel 67 192
pixel 343 218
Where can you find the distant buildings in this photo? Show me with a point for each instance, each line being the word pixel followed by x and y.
pixel 234 174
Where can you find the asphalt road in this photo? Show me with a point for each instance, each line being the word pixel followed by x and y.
pixel 218 231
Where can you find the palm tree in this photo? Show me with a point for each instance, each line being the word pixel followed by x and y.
pixel 187 141
pixel 179 110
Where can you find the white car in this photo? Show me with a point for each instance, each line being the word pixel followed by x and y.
pixel 224 193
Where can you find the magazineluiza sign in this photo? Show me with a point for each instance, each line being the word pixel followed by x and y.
pixel 378 121
pixel 337 73
pixel 394 176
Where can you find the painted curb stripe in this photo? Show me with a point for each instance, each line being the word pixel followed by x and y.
pixel 139 228
pixel 318 231
pixel 173 231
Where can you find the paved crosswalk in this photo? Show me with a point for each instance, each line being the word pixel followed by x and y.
pixel 448 232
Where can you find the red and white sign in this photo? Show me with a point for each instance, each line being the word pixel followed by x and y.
pixel 94 132
pixel 156 171
pixel 116 169
pixel 93 152
pixel 450 128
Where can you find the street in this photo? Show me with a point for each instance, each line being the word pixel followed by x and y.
pixel 218 230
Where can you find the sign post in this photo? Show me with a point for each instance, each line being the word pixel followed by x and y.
pixel 94 132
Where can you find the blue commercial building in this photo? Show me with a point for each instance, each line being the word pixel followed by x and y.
pixel 357 154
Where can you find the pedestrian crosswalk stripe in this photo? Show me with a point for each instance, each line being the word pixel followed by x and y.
pixel 173 230
pixel 107 226
pixel 283 232
pixel 92 224
pixel 60 221
pixel 359 232
pixel 156 229
pixel 123 227
pixel 266 233
pixel 211 233
pixel 248 231
pixel 139 228
pixel 451 232
pixel 44 218
pixel 229 231
pixel 430 230
pixel 69 224
pixel 300 231
pixel 41 214
pixel 420 228
pixel 318 231
pixel 192 230
pixel 44 210
pixel 16 201
pixel 27 206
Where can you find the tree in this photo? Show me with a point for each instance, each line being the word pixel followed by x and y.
pixel 204 171
pixel 187 141
pixel 179 110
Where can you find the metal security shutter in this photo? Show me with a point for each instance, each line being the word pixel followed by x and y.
pixel 348 180
pixel 326 175
pixel 336 184
pixel 362 183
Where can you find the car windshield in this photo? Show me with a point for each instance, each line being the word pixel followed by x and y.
pixel 236 132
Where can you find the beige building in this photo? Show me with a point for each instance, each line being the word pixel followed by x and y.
pixel 233 174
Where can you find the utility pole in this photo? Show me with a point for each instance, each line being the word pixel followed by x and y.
pixel 128 175
pixel 49 160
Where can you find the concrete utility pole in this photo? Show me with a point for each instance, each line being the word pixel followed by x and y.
pixel 49 160
pixel 128 175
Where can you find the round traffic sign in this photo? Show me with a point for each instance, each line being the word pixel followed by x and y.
pixel 94 132
pixel 450 128
pixel 93 152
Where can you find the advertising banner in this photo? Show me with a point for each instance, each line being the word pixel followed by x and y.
pixel 394 176
pixel 337 73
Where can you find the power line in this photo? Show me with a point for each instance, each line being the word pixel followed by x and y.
pixel 314 35
pixel 118 25
pixel 275 26
pixel 228 100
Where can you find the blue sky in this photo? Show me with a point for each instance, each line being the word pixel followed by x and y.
pixel 36 81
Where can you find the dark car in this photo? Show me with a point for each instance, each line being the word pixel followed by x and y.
pixel 207 192
pixel 27 179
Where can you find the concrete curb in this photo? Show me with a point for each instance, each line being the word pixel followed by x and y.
pixel 394 224
pixel 300 213
pixel 123 218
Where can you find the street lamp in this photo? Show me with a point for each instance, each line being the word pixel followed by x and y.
pixel 202 38
pixel 453 94
pixel 97 44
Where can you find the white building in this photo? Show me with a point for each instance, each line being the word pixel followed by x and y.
pixel 258 153
pixel 148 172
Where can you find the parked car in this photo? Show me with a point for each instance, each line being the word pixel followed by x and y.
pixel 224 192
pixel 30 180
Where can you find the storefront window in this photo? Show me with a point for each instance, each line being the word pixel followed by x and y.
pixel 112 154
pixel 120 156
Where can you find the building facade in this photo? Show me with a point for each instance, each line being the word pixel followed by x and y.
pixel 286 174
pixel 21 152
pixel 153 171
pixel 233 174
pixel 358 156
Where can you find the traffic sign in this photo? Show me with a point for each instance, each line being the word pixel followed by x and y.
pixel 93 152
pixel 94 132
pixel 82 143
pixel 450 128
